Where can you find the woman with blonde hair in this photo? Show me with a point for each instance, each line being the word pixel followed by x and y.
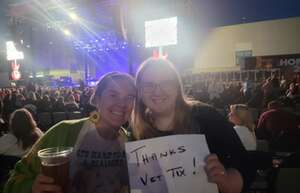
pixel 162 109
pixel 240 115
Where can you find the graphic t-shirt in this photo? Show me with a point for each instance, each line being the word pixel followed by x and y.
pixel 98 165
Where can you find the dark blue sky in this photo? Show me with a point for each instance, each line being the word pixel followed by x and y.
pixel 227 12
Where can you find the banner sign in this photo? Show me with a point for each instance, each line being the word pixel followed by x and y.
pixel 270 62
pixel 171 164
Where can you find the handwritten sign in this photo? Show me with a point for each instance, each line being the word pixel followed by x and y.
pixel 171 164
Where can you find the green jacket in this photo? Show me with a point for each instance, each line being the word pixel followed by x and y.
pixel 64 133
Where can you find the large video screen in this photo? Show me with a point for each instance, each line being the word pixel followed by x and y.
pixel 161 32
pixel 12 53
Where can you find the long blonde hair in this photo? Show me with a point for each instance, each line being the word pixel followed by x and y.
pixel 244 114
pixel 142 123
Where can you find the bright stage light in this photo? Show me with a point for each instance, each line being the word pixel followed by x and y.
pixel 12 53
pixel 73 16
pixel 67 32
pixel 161 32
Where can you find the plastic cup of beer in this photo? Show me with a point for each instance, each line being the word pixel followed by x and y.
pixel 55 163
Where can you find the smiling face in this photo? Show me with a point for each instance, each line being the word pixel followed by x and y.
pixel 159 89
pixel 116 102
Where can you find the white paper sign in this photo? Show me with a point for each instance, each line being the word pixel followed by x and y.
pixel 171 164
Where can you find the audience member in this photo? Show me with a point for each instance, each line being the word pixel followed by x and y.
pixel 101 133
pixel 70 104
pixel 240 116
pixel 31 98
pixel 161 109
pixel 23 133
pixel 275 120
pixel 293 90
pixel 45 104
pixel 3 125
pixel 59 105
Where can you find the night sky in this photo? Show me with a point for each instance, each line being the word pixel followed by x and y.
pixel 218 12
pixel 229 12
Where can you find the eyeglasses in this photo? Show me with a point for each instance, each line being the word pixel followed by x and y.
pixel 167 86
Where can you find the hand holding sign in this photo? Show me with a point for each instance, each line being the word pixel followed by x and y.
pixel 173 164
pixel 214 169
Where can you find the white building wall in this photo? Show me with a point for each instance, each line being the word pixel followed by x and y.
pixel 276 37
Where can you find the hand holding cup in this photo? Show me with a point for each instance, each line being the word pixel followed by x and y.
pixel 55 168
pixel 43 184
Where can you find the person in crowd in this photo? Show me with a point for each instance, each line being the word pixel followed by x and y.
pixel 7 108
pixel 81 85
pixel 54 96
pixel 102 133
pixel 23 133
pixel 71 105
pixel 296 78
pixel 266 88
pixel 283 81
pixel 271 89
pixel 31 86
pixel 84 104
pixel 293 90
pixel 59 105
pixel 256 100
pixel 45 104
pixel 76 94
pixel 215 89
pixel 32 109
pixel 3 125
pixel 227 95
pixel 275 120
pixel 161 109
pixel 240 116
pixel 20 101
pixel 283 85
pixel 247 87
pixel 31 98
pixel 2 94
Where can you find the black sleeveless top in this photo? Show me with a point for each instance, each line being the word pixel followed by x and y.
pixel 222 140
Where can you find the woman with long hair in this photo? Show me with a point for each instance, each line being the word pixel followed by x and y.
pixel 240 115
pixel 23 133
pixel 162 109
pixel 98 162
